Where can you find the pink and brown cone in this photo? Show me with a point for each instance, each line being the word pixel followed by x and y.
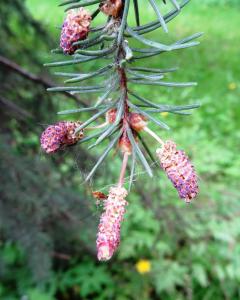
pixel 179 170
pixel 75 28
pixel 108 237
pixel 54 137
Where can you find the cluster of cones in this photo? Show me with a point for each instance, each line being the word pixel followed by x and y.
pixel 174 162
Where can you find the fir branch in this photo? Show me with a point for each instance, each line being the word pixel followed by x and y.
pixel 111 42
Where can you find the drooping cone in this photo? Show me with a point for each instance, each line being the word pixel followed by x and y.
pixel 58 135
pixel 108 237
pixel 75 28
pixel 111 7
pixel 179 170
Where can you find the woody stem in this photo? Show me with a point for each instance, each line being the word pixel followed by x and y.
pixel 123 87
pixel 123 169
pixel 153 134
pixel 125 121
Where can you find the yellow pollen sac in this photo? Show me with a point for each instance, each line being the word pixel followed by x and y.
pixel 143 266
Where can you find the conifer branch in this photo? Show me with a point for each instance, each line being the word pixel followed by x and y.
pixel 127 114
pixel 116 32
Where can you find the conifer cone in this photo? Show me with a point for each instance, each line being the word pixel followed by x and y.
pixel 108 237
pixel 58 135
pixel 179 170
pixel 75 28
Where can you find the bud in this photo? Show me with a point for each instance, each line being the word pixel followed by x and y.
pixel 108 237
pixel 125 144
pixel 137 121
pixel 58 135
pixel 75 28
pixel 179 170
pixel 111 115
pixel 111 7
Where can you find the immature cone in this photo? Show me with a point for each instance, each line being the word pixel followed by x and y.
pixel 108 237
pixel 111 115
pixel 58 135
pixel 111 7
pixel 75 28
pixel 179 170
pixel 125 144
pixel 137 121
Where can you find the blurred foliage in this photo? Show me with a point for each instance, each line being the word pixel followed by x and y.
pixel 221 2
pixel 48 221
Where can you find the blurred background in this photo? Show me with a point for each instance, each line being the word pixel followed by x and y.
pixel 48 218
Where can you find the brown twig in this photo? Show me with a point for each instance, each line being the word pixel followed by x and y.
pixel 22 112
pixel 30 76
pixel 61 256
